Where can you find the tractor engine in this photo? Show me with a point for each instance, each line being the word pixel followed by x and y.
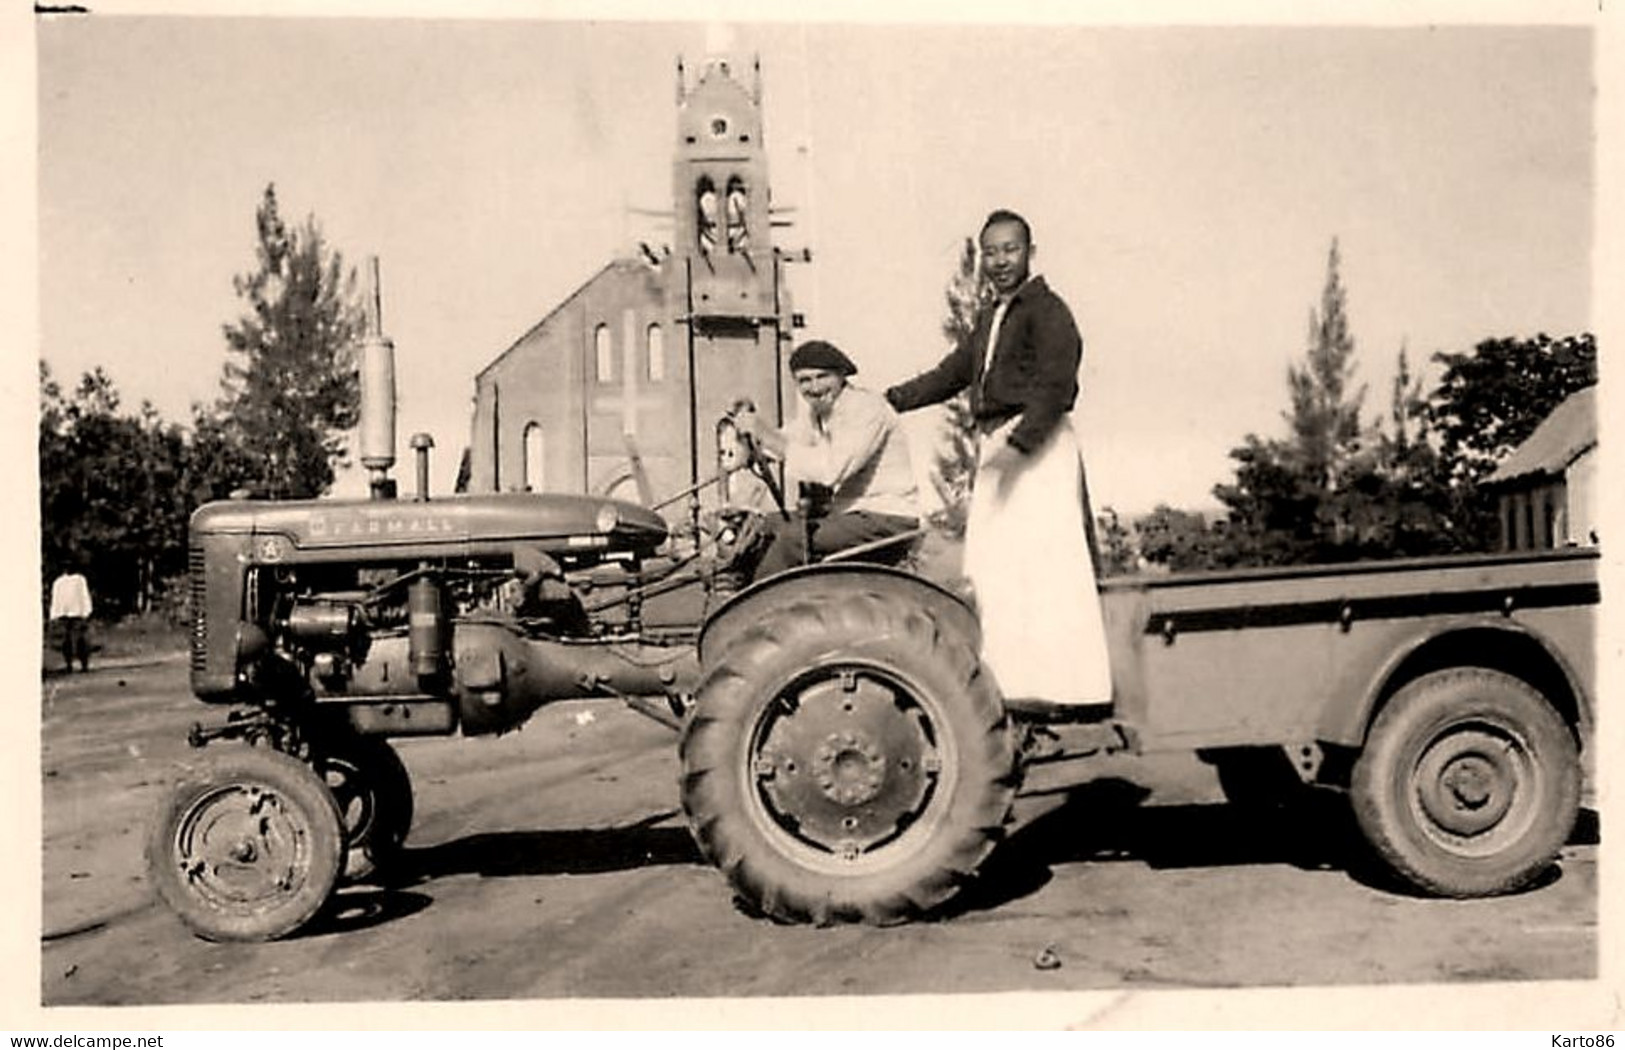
pixel 413 617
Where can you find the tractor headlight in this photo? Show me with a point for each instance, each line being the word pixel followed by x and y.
pixel 608 518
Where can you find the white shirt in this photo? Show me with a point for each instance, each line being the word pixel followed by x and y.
pixel 70 596
pixel 859 451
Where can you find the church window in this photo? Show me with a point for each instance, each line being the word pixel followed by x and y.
pixel 534 449
pixel 604 354
pixel 656 340
pixel 706 216
pixel 738 205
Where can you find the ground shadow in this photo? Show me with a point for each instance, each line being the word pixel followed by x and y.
pixel 573 851
pixel 1106 820
pixel 363 907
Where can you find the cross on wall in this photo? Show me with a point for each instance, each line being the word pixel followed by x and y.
pixel 630 401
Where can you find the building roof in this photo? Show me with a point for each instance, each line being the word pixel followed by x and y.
pixel 620 263
pixel 1562 437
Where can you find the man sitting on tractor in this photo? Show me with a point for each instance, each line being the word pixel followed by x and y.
pixel 847 457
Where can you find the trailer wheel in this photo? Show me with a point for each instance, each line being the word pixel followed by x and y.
pixel 848 762
pixel 1469 783
pixel 248 848
pixel 373 792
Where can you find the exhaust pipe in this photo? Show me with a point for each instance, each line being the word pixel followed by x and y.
pixel 377 365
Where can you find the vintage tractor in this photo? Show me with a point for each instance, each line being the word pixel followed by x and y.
pixel 841 757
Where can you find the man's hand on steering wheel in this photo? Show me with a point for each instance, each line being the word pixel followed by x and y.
pixel 747 428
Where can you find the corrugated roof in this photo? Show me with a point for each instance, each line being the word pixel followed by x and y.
pixel 1561 438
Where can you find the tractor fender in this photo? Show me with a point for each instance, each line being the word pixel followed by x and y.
pixel 830 581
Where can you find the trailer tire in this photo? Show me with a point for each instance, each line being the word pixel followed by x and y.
pixel 248 847
pixel 848 761
pixel 1469 783
pixel 373 791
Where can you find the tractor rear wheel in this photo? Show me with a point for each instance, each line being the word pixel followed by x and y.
pixel 248 847
pixel 1469 783
pixel 848 762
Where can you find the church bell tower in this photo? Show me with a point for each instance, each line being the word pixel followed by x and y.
pixel 727 276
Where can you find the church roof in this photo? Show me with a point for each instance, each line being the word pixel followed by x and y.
pixel 1562 437
pixel 622 263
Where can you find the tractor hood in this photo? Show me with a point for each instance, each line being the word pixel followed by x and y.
pixel 453 526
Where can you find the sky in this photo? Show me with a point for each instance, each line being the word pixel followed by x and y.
pixel 1184 186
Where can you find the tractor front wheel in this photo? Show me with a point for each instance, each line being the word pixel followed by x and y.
pixel 248 848
pixel 373 791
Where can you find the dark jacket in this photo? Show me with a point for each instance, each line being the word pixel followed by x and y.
pixel 1034 371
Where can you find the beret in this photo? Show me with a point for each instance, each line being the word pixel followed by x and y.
pixel 816 353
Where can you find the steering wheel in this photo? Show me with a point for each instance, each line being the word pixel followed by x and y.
pixel 758 464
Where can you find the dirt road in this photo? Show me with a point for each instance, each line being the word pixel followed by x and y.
pixel 554 863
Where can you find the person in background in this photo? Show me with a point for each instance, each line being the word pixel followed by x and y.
pixel 71 607
pixel 848 449
pixel 1028 537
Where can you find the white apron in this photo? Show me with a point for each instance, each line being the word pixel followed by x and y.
pixel 1027 556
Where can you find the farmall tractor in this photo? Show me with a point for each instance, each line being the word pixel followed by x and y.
pixel 842 758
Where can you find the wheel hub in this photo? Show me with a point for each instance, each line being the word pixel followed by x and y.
pixel 849 768
pixel 241 844
pixel 1468 782
pixel 845 762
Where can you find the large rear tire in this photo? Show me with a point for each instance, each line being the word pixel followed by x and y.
pixel 1469 783
pixel 248 847
pixel 848 762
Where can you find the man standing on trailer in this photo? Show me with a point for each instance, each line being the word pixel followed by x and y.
pixel 1028 537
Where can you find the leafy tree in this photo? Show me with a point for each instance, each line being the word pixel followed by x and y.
pixel 291 389
pixel 955 462
pixel 1117 552
pixel 1174 540
pixel 110 499
pixel 1490 400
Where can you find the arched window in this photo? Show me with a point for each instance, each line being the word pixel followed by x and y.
pixel 534 466
pixel 738 204
pixel 706 213
pixel 656 345
pixel 604 355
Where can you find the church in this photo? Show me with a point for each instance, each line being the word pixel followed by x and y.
pixel 617 391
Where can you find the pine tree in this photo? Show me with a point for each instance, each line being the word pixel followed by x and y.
pixel 1325 419
pixel 291 389
pixel 955 462
pixel 1288 502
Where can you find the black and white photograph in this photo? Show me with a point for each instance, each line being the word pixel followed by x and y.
pixel 814 511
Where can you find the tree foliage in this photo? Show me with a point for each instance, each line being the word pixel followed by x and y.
pixel 111 498
pixel 117 488
pixel 954 465
pixel 1491 400
pixel 1300 499
pixel 290 388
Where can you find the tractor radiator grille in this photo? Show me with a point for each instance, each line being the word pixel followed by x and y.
pixel 200 608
